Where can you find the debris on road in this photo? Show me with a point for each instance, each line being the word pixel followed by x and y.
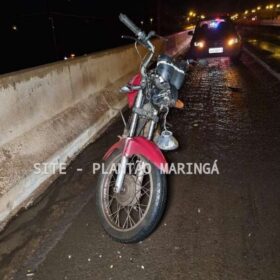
pixel 234 89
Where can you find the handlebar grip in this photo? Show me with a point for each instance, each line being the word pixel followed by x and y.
pixel 126 21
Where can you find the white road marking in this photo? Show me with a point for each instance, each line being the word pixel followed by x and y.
pixel 263 64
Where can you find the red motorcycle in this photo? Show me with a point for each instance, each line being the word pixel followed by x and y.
pixel 131 191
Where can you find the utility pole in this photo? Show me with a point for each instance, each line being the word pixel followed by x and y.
pixel 238 4
pixel 53 36
pixel 51 19
pixel 158 16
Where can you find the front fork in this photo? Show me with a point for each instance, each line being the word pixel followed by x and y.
pixel 132 129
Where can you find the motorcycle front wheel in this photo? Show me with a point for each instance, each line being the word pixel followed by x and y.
pixel 133 214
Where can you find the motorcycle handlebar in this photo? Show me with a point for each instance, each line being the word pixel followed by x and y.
pixel 126 21
pixel 141 37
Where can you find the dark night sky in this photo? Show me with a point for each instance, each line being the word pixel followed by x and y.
pixel 85 26
pixel 94 7
pixel 221 6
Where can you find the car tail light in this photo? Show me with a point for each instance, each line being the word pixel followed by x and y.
pixel 199 44
pixel 232 41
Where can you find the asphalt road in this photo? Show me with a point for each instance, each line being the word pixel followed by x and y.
pixel 265 42
pixel 222 226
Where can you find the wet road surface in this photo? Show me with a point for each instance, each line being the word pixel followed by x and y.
pixel 265 42
pixel 215 227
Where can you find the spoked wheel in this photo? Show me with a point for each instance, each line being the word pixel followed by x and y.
pixel 131 215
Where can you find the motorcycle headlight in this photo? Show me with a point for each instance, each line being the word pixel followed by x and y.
pixel 161 83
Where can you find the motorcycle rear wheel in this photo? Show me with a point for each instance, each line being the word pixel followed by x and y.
pixel 133 214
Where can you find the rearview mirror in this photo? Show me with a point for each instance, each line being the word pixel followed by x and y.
pixel 190 33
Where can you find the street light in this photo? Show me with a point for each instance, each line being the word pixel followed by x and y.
pixel 259 8
pixel 246 12
pixel 14 28
pixel 234 17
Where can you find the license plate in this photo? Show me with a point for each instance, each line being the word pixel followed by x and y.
pixel 216 50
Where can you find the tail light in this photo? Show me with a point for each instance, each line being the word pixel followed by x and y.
pixel 199 44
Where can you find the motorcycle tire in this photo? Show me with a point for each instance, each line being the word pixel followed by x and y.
pixel 125 229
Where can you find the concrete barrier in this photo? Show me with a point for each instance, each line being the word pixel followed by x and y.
pixel 50 113
pixel 177 43
pixel 273 22
pixel 264 22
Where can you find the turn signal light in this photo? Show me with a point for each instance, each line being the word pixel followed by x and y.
pixel 179 104
pixel 232 41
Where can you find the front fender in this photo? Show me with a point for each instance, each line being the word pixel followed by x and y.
pixel 140 146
